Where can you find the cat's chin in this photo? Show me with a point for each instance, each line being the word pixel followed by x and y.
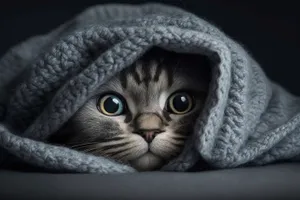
pixel 147 162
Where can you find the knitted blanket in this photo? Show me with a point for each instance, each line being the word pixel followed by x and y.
pixel 247 119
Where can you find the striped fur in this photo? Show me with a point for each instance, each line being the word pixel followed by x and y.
pixel 145 87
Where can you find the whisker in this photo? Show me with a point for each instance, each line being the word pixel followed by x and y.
pixel 115 154
pixel 170 146
pixel 82 148
pixel 108 147
pixel 98 150
pixel 124 153
pixel 177 143
pixel 179 137
pixel 103 140
pixel 90 150
pixel 121 157
pixel 83 144
pixel 112 142
pixel 108 153
pixel 117 138
pixel 122 148
pixel 85 140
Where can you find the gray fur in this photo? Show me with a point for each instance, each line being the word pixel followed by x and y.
pixel 146 88
pixel 246 120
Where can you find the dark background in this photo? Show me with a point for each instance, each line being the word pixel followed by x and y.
pixel 269 30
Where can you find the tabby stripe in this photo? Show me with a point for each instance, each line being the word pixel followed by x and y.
pixel 135 75
pixel 167 115
pixel 147 74
pixel 170 75
pixel 128 117
pixel 123 79
pixel 157 72
pixel 108 147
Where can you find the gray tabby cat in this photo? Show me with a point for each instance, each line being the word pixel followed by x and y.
pixel 142 116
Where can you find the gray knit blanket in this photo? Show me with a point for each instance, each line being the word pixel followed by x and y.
pixel 247 119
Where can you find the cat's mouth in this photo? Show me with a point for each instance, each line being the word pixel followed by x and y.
pixel 152 159
pixel 148 162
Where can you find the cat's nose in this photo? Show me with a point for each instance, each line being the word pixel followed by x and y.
pixel 148 121
pixel 148 125
pixel 149 135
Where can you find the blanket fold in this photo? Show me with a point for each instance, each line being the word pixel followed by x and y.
pixel 247 118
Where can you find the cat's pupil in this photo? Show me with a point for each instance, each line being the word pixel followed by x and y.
pixel 181 103
pixel 112 105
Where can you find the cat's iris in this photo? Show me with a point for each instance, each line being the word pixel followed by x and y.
pixel 111 105
pixel 180 103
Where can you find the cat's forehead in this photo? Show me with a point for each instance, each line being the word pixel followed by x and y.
pixel 157 75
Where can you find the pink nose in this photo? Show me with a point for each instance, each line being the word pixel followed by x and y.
pixel 149 136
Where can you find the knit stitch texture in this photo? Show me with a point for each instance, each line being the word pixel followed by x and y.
pixel 247 119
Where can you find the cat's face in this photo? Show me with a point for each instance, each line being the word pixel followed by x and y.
pixel 142 116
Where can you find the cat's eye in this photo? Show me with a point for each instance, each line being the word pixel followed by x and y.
pixel 180 103
pixel 111 105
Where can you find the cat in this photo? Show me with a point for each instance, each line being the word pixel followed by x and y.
pixel 143 115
